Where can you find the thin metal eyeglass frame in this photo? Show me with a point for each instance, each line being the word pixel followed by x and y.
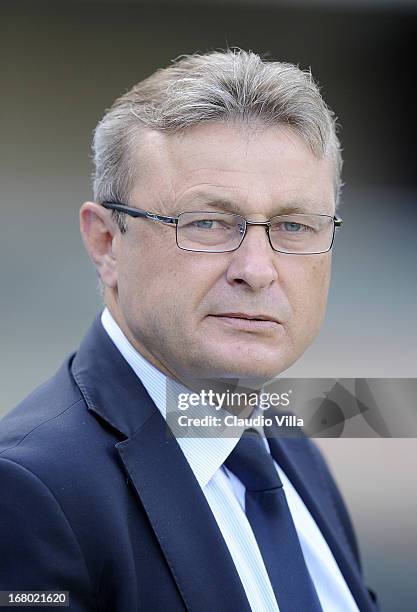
pixel 173 221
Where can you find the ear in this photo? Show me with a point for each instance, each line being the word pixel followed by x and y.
pixel 99 230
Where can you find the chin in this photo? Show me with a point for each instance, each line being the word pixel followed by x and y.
pixel 245 366
pixel 248 371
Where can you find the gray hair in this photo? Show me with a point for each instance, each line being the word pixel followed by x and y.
pixel 232 85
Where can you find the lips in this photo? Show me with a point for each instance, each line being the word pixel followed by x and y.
pixel 249 317
pixel 248 322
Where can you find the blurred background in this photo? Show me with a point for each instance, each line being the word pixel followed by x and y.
pixel 63 63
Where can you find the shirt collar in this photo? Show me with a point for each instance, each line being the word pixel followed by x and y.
pixel 204 455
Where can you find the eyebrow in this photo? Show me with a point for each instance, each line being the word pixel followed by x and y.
pixel 208 200
pixel 226 205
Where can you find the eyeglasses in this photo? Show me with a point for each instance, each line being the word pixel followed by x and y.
pixel 218 232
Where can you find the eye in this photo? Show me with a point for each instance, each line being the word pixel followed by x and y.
pixel 292 226
pixel 295 228
pixel 204 224
pixel 211 224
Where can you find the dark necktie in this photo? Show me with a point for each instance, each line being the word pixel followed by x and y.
pixel 270 518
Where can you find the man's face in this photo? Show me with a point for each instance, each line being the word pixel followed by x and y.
pixel 175 306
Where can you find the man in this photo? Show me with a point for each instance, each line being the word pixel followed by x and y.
pixel 215 187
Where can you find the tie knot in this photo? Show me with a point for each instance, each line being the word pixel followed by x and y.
pixel 252 464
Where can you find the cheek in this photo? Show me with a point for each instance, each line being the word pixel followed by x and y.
pixel 309 289
pixel 166 282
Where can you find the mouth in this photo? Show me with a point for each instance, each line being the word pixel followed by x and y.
pixel 247 322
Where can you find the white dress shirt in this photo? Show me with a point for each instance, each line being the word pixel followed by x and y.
pixel 225 495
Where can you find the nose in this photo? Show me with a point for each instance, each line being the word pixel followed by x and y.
pixel 254 263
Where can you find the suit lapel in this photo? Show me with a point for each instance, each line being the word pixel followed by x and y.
pixel 182 520
pixel 178 512
pixel 297 459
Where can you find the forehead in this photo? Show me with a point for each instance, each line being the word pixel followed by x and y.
pixel 261 170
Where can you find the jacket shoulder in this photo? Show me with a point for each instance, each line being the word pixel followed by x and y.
pixel 44 405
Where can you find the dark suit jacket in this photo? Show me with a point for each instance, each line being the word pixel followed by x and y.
pixel 97 500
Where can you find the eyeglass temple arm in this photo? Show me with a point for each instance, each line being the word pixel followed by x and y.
pixel 338 221
pixel 137 212
pixel 132 212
